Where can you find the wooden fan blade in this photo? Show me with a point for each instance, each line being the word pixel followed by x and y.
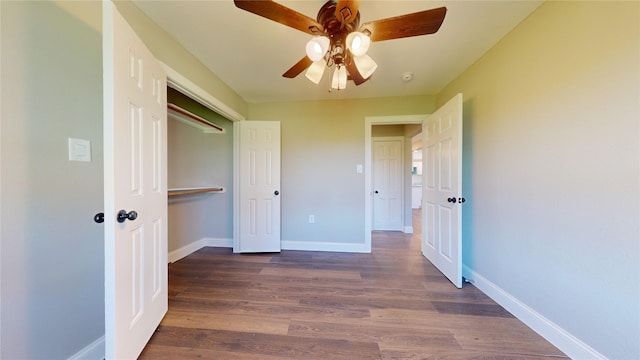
pixel 299 67
pixel 346 10
pixel 415 24
pixel 281 14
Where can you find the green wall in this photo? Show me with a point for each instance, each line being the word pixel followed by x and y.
pixel 322 143
pixel 52 252
pixel 552 169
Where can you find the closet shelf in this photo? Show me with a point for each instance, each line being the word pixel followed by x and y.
pixel 179 114
pixel 194 190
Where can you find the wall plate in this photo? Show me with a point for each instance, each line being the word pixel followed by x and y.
pixel 79 150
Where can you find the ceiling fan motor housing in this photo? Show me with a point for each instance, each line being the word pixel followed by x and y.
pixel 336 30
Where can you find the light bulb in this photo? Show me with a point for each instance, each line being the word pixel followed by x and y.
pixel 358 43
pixel 317 47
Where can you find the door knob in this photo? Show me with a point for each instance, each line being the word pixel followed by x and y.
pixel 451 200
pixel 99 218
pixel 376 191
pixel 276 193
pixel 461 200
pixel 124 215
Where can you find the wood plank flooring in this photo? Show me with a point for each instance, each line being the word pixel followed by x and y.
pixel 390 304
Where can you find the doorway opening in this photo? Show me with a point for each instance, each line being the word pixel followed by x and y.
pixel 199 175
pixel 410 126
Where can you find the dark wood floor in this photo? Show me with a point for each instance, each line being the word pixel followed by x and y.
pixel 390 304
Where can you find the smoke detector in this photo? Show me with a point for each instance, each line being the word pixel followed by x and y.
pixel 408 76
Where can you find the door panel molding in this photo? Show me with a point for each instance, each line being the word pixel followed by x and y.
pixel 442 185
pixel 257 196
pixel 392 215
pixel 135 175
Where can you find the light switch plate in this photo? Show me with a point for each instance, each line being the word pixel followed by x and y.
pixel 79 150
pixel 359 168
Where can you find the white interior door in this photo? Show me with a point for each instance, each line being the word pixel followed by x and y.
pixel 135 175
pixel 387 184
pixel 442 187
pixel 259 175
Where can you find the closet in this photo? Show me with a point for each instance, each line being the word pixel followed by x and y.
pixel 200 176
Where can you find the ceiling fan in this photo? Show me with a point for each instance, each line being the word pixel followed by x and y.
pixel 339 39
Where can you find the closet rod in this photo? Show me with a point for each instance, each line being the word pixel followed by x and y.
pixel 195 117
pixel 188 191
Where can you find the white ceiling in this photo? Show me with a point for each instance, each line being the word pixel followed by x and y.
pixel 250 53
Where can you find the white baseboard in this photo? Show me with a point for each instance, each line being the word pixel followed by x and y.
pixel 189 249
pixel 186 250
pixel 93 351
pixel 408 229
pixel 217 242
pixel 559 337
pixel 323 246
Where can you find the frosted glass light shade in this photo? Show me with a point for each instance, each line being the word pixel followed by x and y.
pixel 365 65
pixel 315 71
pixel 317 47
pixel 339 80
pixel 358 43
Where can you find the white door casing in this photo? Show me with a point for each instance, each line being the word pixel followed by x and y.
pixel 135 175
pixel 369 122
pixel 259 193
pixel 442 189
pixel 388 183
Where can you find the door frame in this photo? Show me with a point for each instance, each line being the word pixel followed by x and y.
pixel 369 121
pixel 179 82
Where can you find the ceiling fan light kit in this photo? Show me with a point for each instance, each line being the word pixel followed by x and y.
pixel 339 39
pixel 366 66
pixel 317 47
pixel 316 70
pixel 339 80
pixel 358 43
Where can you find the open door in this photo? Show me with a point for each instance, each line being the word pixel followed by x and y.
pixel 135 181
pixel 442 189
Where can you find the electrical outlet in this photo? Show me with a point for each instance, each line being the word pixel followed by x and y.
pixel 312 219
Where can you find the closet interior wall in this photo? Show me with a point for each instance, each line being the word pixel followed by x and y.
pixel 198 159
